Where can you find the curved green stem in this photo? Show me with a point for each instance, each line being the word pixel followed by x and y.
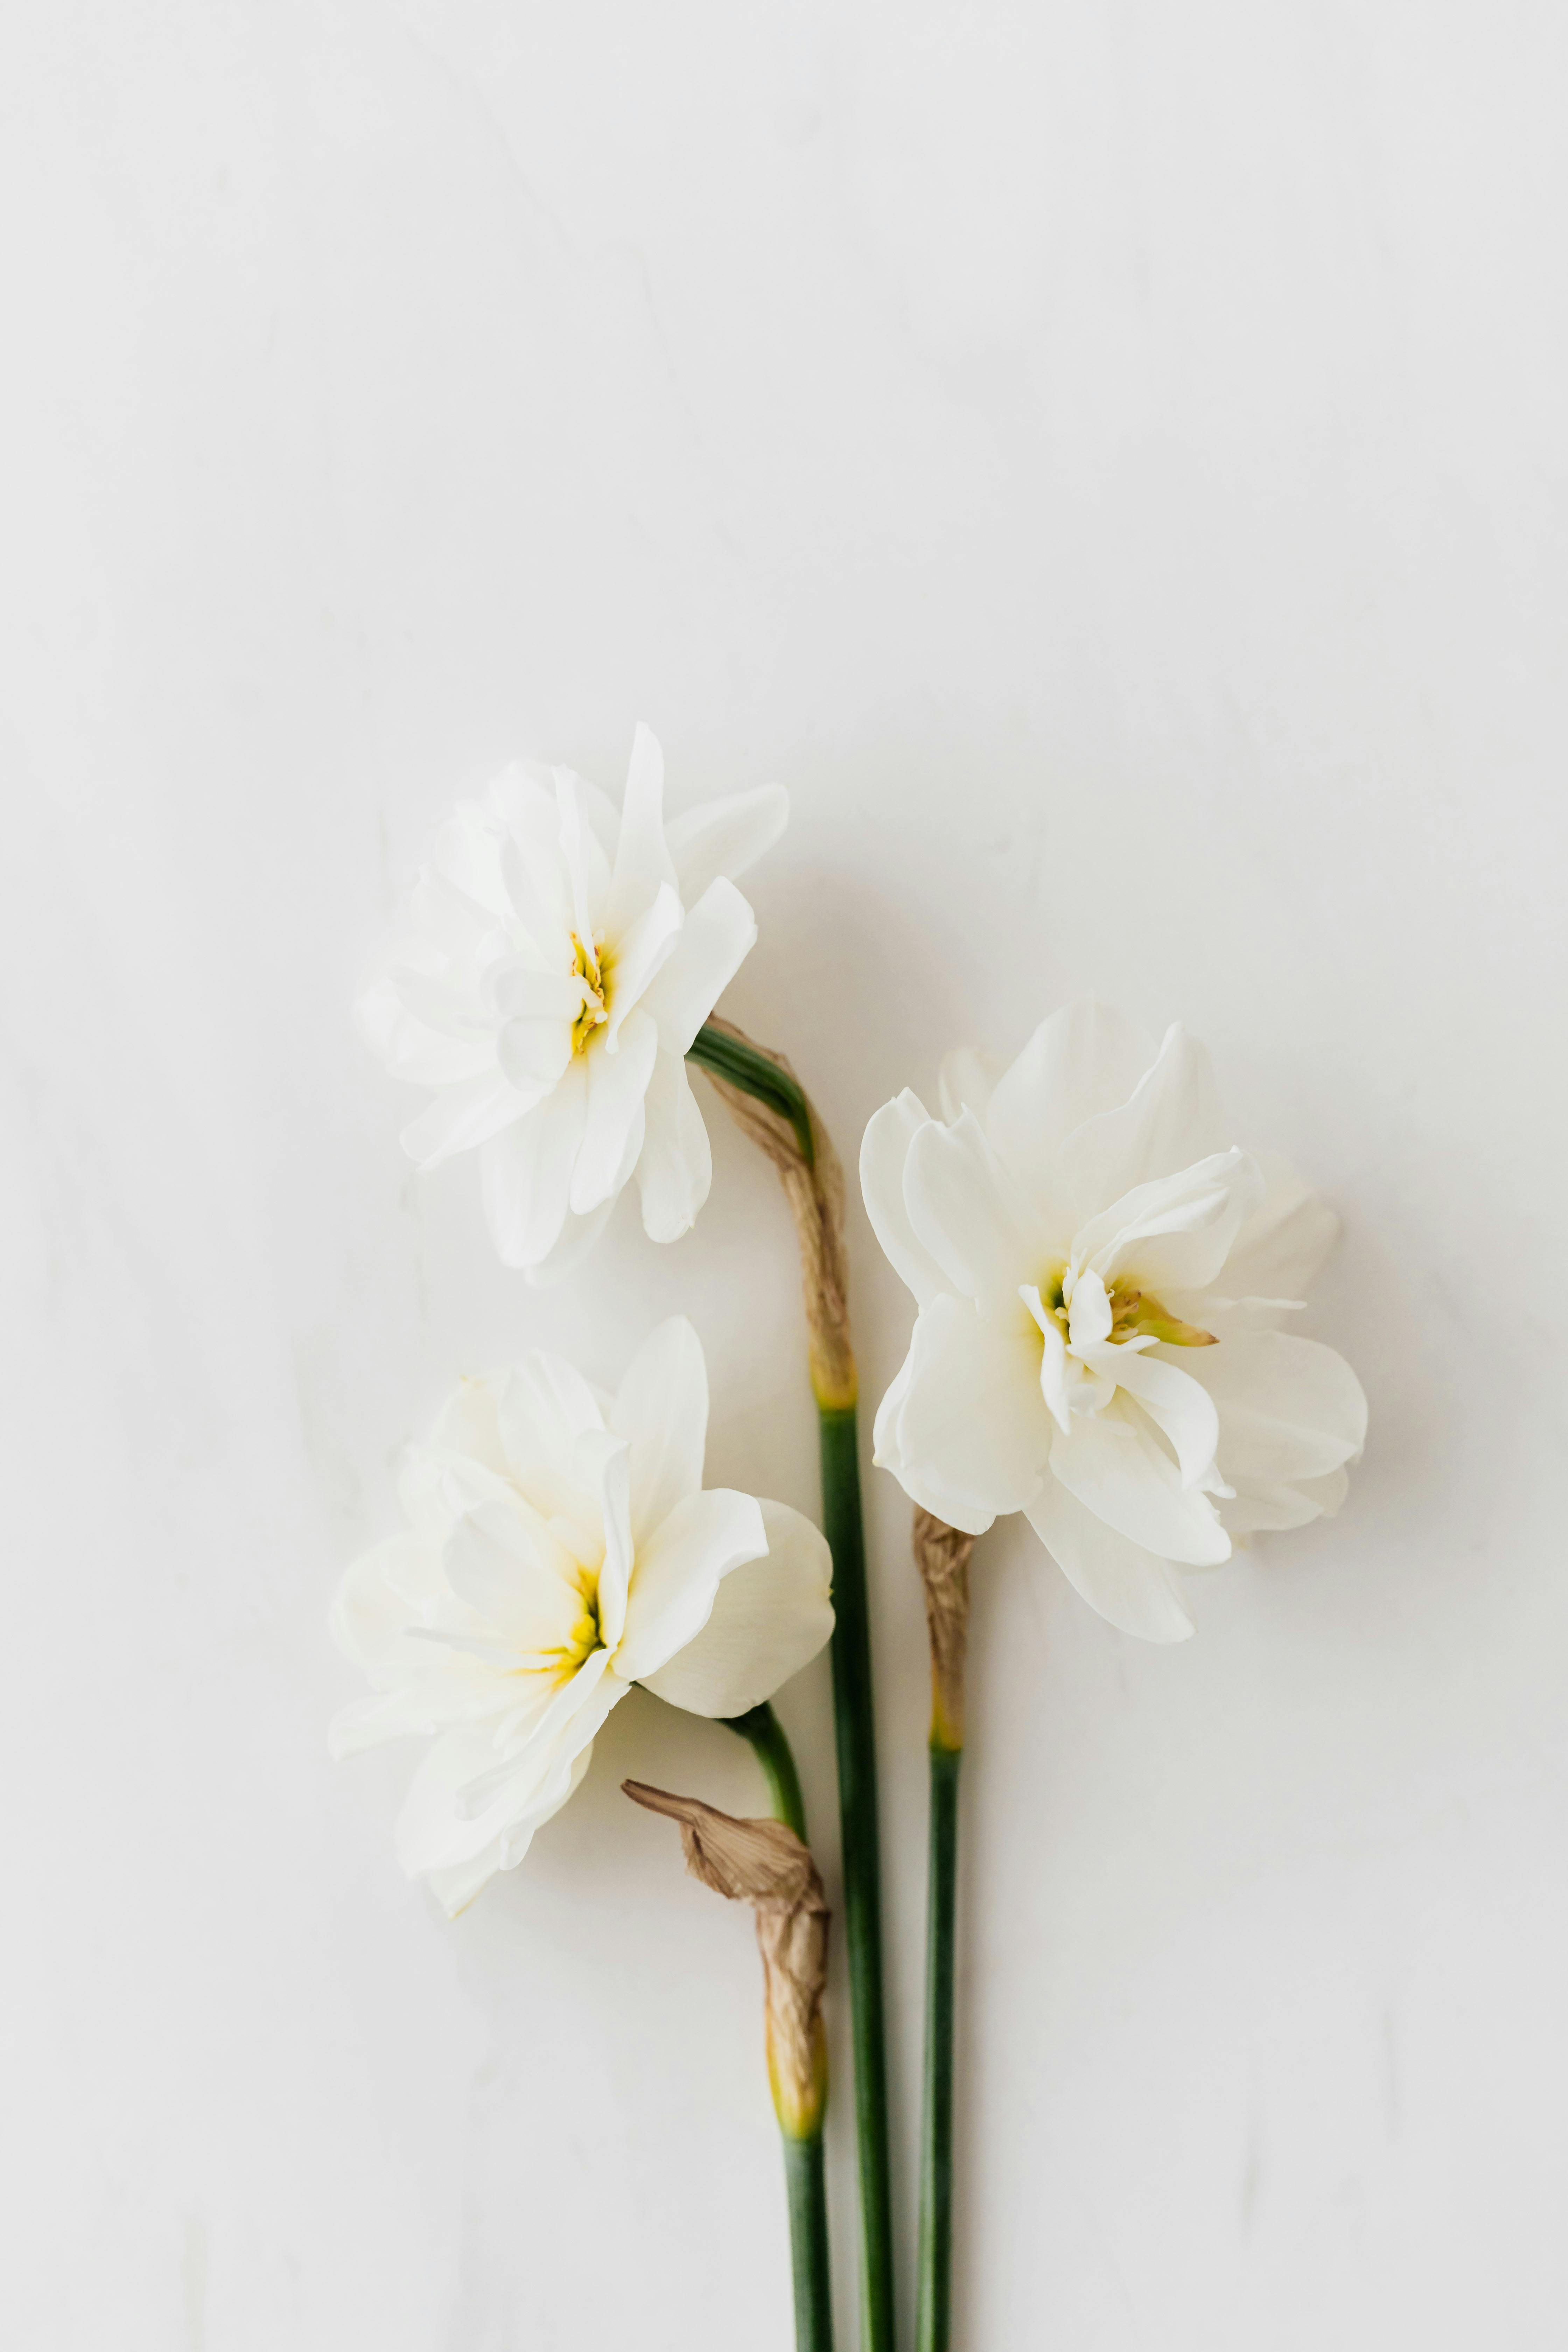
pixel 742 1066
pixel 935 2276
pixel 762 1727
pixel 730 1058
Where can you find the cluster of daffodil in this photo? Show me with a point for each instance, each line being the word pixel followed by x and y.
pixel 1101 1280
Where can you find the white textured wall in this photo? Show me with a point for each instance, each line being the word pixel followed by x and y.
pixel 1109 461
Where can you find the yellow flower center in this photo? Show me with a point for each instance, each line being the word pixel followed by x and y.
pixel 1135 1313
pixel 590 965
pixel 584 1636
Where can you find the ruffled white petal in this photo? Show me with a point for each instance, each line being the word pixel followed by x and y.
pixel 571 1244
pixel 1280 1249
pixel 385 1590
pixel 1171 1119
pixel 678 1572
pixel 972 1435
pixel 1175 1232
pixel 546 1407
pixel 963 1211
pixel 674 1168
pixel 515 1574
pixel 526 1172
pixel 1289 1408
pixel 1131 1587
pixel 966 1081
pixel 1175 1403
pixel 613 1128
pixel 719 933
pixel 770 1617
pixel 884 1154
pixel 442 1828
pixel 641 953
pixel 1115 1465
pixel 643 862
pixel 410 1048
pixel 725 837
pixel 462 1117
pixel 661 1410
pixel 468 1424
pixel 1081 1062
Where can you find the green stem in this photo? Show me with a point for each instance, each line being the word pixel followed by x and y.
pixel 856 1736
pixel 742 1066
pixel 762 1727
pixel 935 2276
pixel 803 2174
pixel 808 2244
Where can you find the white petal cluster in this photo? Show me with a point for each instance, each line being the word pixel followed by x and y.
pixel 561 1547
pixel 1100 1277
pixel 555 964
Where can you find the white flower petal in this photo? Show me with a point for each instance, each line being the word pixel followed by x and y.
pixel 546 1406
pixel 1130 1586
pixel 675 1166
pixel 884 1153
pixel 1280 1248
pixel 1173 1400
pixel 571 1244
pixel 678 1572
pixel 1259 1508
pixel 468 1422
pixel 517 1577
pixel 643 862
pixel 1172 1119
pixel 587 873
pixel 535 1011
pixel 526 1172
pixel 966 1081
pixel 618 1075
pixel 1084 1061
pixel 718 934
pixel 1176 1232
pixel 410 1048
pixel 615 1506
pixel 661 1410
pixel 461 1116
pixel 724 837
pixel 383 1591
pixel 455 1887
pixel 963 1211
pixel 1289 1408
pixel 973 1428
pixel 439 1829
pixel 1117 1469
pixel 770 1618
pixel 640 953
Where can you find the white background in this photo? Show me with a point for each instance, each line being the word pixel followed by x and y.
pixel 1110 462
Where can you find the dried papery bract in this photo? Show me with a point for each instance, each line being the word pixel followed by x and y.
pixel 796 1142
pixel 941 1556
pixel 765 1863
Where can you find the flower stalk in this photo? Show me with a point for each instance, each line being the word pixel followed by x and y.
pixel 763 1729
pixel 941 1555
pixel 768 1103
pixel 768 1865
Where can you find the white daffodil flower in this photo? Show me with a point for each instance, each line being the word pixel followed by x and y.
pixel 1100 1277
pixel 560 1548
pixel 556 962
